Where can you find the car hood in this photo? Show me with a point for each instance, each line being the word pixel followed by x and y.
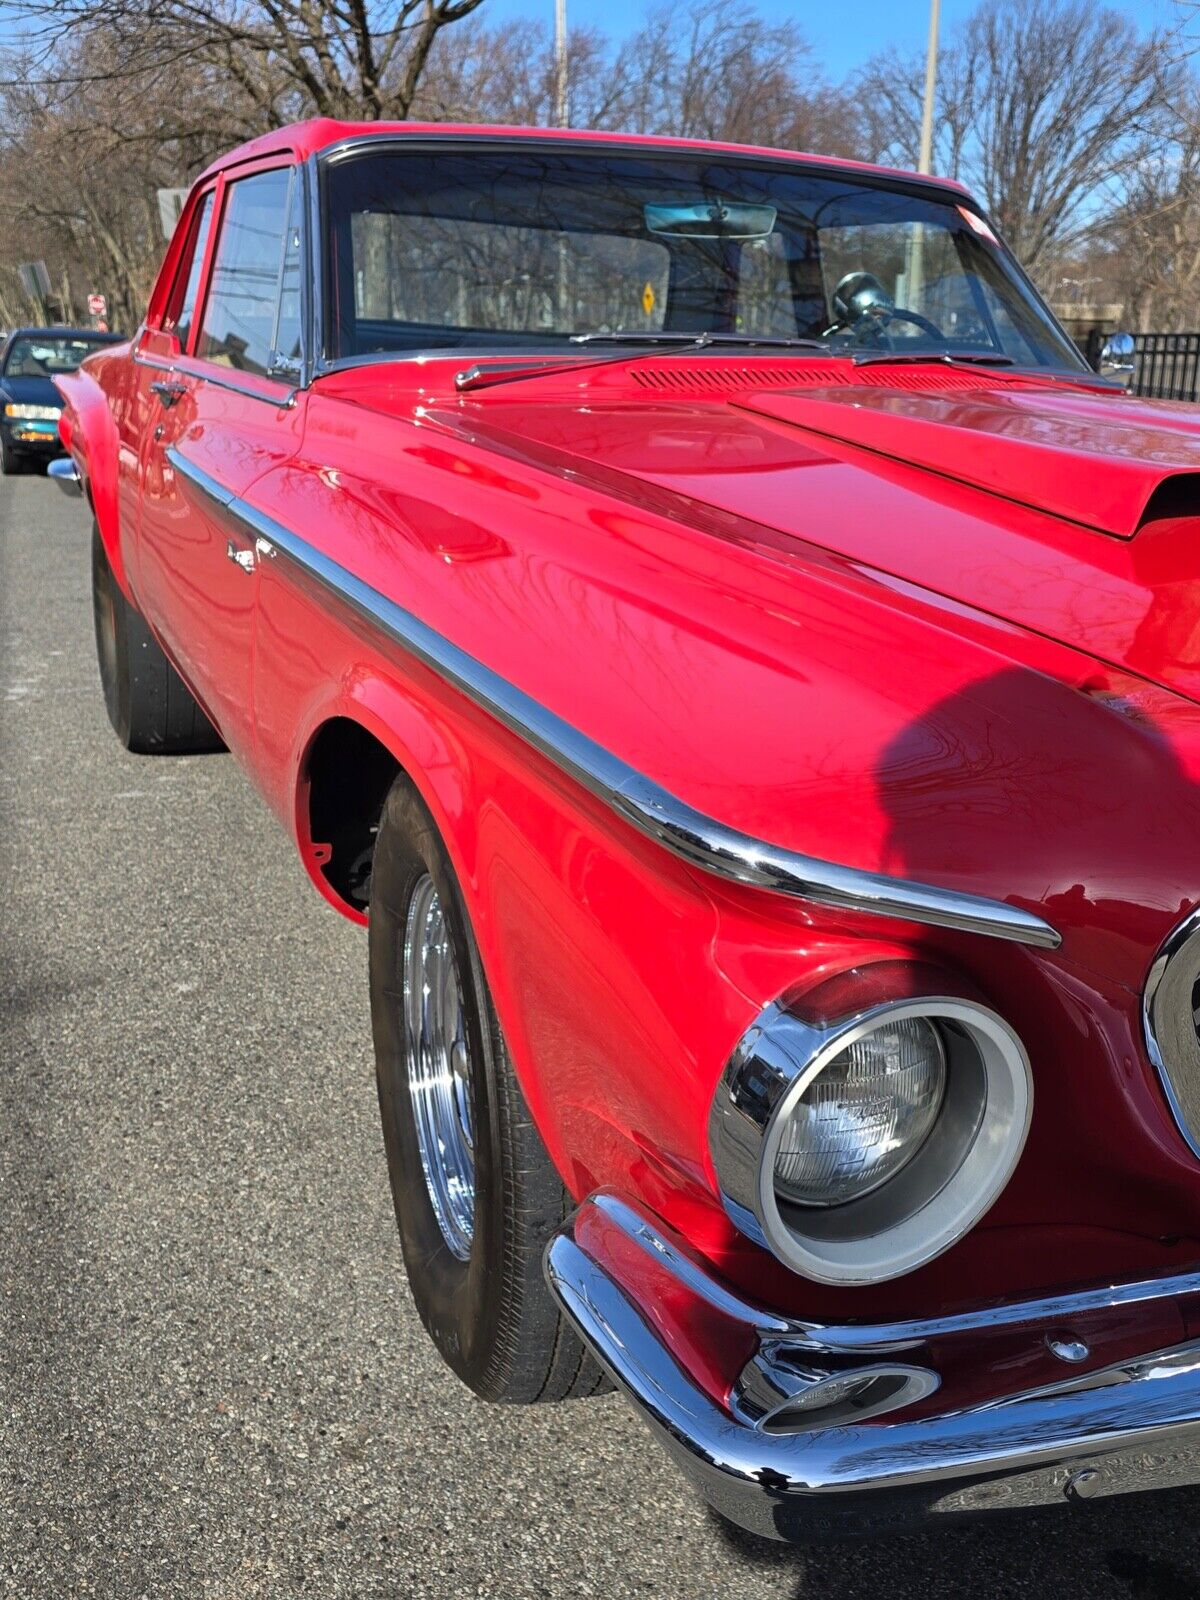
pixel 1071 513
pixel 31 391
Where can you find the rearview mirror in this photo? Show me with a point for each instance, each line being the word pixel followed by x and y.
pixel 1117 358
pixel 712 219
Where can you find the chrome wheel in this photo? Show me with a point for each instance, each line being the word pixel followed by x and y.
pixel 439 1067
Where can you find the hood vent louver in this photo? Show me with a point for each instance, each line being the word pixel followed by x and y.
pixel 698 377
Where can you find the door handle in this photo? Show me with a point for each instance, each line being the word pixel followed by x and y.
pixel 246 559
pixel 169 393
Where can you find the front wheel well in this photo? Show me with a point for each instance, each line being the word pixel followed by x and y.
pixel 349 772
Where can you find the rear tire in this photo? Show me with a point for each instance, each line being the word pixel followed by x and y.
pixel 152 710
pixel 476 1207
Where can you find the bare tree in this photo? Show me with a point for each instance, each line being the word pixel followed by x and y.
pixel 1044 107
pixel 81 162
pixel 710 69
pixel 111 99
pixel 280 58
pixel 506 75
pixel 1153 236
pixel 720 70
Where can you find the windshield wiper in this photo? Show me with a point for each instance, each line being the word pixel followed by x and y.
pixel 700 341
pixel 900 358
pixel 486 377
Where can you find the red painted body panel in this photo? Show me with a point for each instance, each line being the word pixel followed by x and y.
pixel 792 693
pixel 99 417
pixel 1078 457
pixel 830 648
pixel 202 601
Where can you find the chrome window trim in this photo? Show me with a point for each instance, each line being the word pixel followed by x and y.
pixel 921 185
pixel 1173 948
pixel 283 402
pixel 310 268
pixel 689 834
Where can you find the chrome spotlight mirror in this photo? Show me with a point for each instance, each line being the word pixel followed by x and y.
pixel 1117 358
pixel 66 475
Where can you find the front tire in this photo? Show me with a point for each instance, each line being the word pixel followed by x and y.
pixel 475 1193
pixel 152 710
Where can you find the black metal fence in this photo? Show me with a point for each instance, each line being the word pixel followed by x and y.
pixel 1168 366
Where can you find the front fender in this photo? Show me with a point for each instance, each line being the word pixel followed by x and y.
pixel 89 434
pixel 419 746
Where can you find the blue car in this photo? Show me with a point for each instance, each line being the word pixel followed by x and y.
pixel 29 403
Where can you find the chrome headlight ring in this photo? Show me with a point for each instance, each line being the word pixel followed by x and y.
pixel 932 1200
pixel 1170 1026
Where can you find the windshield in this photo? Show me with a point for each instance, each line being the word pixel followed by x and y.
pixel 35 357
pixel 494 248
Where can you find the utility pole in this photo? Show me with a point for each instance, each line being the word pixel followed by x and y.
pixel 562 105
pixel 914 275
pixel 925 160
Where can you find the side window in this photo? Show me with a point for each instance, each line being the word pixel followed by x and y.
pixel 238 328
pixel 182 308
pixel 287 334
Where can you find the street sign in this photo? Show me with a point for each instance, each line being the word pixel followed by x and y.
pixel 97 305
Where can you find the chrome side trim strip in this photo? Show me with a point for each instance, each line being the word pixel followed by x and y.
pixel 653 810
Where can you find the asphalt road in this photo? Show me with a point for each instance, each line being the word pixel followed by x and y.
pixel 213 1384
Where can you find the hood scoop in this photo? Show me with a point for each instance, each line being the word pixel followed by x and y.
pixel 1091 458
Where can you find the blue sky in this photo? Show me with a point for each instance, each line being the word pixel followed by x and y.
pixel 842 35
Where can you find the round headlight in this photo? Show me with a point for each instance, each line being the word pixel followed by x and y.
pixel 864 1116
pixel 860 1147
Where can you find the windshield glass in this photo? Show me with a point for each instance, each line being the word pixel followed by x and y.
pixel 34 357
pixel 493 248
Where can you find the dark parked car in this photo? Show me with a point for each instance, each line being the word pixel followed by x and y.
pixel 29 403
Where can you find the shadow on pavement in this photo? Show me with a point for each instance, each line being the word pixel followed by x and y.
pixel 1138 1547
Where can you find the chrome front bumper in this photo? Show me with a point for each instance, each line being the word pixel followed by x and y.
pixel 1014 1405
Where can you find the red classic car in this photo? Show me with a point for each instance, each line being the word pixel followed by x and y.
pixel 696 605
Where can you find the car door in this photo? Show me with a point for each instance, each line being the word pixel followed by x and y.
pixel 228 409
pixel 136 407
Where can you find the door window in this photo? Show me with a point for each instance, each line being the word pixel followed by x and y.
pixel 180 312
pixel 287 333
pixel 240 313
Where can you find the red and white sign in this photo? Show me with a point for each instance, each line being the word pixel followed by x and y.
pixel 97 305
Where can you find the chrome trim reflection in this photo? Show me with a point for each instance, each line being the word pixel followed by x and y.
pixel 690 834
pixel 1130 1425
pixel 438 1061
pixel 1169 1025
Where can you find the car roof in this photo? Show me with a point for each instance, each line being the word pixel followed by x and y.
pixel 303 139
